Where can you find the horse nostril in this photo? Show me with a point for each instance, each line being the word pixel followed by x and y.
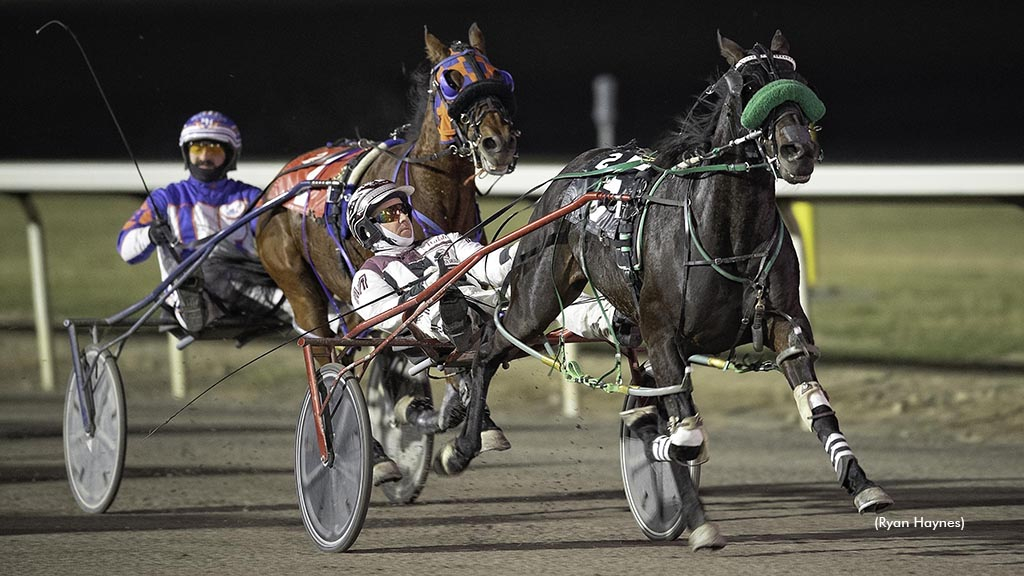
pixel 794 151
pixel 491 144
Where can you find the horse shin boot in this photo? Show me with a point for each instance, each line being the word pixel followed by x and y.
pixel 817 414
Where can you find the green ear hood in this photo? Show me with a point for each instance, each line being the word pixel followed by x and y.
pixel 774 93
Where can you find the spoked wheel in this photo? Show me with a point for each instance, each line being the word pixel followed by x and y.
pixel 386 382
pixel 95 461
pixel 334 495
pixel 652 488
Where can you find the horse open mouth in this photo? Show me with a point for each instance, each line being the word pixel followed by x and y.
pixel 495 169
pixel 500 163
pixel 799 177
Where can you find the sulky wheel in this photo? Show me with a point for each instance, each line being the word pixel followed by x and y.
pixel 334 495
pixel 95 460
pixel 387 381
pixel 651 487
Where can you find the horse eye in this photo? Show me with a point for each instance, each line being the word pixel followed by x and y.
pixel 453 80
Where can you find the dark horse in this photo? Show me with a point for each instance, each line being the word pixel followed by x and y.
pixel 714 266
pixel 462 126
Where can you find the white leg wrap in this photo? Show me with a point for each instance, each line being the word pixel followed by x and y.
pixel 689 433
pixel 809 396
pixel 688 437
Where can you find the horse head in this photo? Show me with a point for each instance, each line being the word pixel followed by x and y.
pixel 473 103
pixel 776 101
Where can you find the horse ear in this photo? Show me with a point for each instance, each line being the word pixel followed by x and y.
pixel 436 50
pixel 476 39
pixel 730 50
pixel 779 43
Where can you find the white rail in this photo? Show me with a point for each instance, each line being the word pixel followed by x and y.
pixel 847 181
pixel 830 182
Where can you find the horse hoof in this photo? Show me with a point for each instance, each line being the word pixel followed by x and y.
pixel 494 440
pixel 872 499
pixel 707 536
pixel 401 407
pixel 386 471
pixel 448 461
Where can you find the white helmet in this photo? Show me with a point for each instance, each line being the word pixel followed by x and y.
pixel 364 201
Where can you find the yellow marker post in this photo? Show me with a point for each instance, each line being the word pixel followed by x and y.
pixel 803 213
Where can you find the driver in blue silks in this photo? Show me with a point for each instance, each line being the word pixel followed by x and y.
pixel 231 280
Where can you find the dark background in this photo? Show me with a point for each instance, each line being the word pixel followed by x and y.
pixel 903 82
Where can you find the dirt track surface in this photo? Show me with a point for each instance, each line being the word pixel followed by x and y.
pixel 214 491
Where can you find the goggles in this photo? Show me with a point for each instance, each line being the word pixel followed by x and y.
pixel 204 146
pixel 391 213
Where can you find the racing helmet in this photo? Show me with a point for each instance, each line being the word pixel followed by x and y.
pixel 364 201
pixel 212 125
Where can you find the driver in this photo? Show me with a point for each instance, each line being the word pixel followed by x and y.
pixel 177 217
pixel 379 217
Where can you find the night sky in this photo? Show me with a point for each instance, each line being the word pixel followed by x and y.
pixel 902 83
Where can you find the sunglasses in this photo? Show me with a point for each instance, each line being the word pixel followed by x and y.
pixel 392 213
pixel 198 147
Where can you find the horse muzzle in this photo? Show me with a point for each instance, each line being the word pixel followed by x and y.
pixel 797 153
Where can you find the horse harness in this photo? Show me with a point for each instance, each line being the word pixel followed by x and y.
pixel 619 222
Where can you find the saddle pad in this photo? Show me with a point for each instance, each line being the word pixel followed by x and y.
pixel 602 218
pixel 321 164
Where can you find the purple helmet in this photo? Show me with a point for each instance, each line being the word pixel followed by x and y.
pixel 212 125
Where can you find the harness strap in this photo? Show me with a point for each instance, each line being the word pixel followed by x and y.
pixel 330 297
pixel 728 260
pixel 430 228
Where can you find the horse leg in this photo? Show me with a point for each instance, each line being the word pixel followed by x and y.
pixel 532 307
pixel 685 440
pixel 455 456
pixel 796 361
pixel 283 260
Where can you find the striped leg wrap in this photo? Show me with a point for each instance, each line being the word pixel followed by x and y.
pixel 840 453
pixel 688 435
pixel 659 449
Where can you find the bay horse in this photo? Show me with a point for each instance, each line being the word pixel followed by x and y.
pixel 462 126
pixel 712 265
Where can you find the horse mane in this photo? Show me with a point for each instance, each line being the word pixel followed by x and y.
pixel 694 131
pixel 420 84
